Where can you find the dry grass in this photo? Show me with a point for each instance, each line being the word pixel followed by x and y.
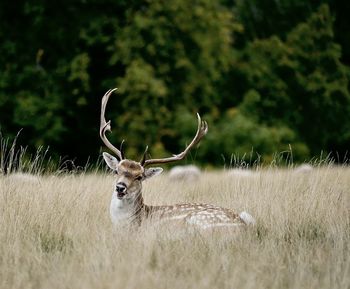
pixel 55 232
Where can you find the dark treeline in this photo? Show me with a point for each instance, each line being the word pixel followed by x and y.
pixel 266 75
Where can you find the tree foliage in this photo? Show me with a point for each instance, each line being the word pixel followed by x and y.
pixel 301 82
pixel 267 75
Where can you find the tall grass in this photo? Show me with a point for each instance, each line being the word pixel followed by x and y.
pixel 55 233
pixel 15 159
pixel 55 230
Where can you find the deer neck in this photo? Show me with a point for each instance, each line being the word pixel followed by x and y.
pixel 127 210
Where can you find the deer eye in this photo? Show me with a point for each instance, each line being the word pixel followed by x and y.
pixel 139 178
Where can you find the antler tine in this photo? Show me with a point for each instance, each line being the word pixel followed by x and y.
pixel 201 132
pixel 121 148
pixel 142 162
pixel 106 126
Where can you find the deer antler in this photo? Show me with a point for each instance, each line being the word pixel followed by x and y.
pixel 201 132
pixel 106 126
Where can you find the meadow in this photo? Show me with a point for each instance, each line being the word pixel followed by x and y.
pixel 55 232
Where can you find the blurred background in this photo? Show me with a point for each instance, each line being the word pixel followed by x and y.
pixel 270 77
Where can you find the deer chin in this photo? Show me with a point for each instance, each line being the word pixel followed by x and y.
pixel 121 195
pixel 127 196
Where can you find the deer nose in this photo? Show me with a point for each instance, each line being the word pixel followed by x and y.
pixel 121 188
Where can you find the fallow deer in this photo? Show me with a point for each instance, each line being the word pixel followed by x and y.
pixel 127 205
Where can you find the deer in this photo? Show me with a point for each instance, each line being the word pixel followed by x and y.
pixel 127 205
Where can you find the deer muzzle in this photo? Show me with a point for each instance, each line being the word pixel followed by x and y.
pixel 121 190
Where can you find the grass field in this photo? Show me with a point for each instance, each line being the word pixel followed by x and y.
pixel 55 232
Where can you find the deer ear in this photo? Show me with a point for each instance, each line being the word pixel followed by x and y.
pixel 152 172
pixel 111 161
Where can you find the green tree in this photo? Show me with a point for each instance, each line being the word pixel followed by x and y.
pixel 301 83
pixel 45 77
pixel 59 58
pixel 174 56
pixel 270 88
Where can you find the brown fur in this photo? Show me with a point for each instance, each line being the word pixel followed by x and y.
pixel 201 215
pixel 130 168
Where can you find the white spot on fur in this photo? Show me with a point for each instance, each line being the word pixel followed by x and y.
pixel 223 218
pixel 178 217
pixel 214 225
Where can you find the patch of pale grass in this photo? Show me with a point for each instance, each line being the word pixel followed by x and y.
pixel 55 232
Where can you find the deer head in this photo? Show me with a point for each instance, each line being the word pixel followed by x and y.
pixel 129 173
